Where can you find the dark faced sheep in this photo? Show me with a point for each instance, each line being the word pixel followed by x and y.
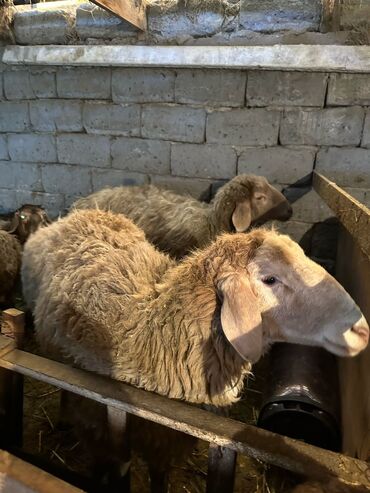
pixel 177 224
pixel 106 300
pixel 25 221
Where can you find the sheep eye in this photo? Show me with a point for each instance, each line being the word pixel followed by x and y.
pixel 23 217
pixel 269 280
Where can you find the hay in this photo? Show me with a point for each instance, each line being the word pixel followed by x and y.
pixel 6 20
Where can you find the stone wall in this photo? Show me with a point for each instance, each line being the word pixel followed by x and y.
pixel 65 132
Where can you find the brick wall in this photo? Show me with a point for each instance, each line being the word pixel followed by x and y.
pixel 65 132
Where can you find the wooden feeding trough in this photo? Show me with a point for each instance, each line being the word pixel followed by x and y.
pixel 226 437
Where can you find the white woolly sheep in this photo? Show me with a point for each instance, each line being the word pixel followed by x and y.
pixel 177 224
pixel 105 299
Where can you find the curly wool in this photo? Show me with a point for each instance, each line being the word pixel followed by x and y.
pixel 174 223
pixel 10 262
pixel 111 303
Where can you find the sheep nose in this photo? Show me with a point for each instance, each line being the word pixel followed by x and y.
pixel 361 329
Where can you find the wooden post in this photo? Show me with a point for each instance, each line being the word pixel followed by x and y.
pixel 11 384
pixel 221 469
pixel 119 434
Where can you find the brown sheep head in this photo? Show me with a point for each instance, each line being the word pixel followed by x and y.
pixel 26 220
pixel 271 292
pixel 249 200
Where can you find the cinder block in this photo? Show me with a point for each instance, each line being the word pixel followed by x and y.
pixel 294 229
pixel 272 16
pixel 37 27
pixel 366 133
pixel 275 88
pixel 70 180
pixel 56 115
pixel 143 85
pixel 94 22
pixel 277 164
pixel 53 203
pixel 333 126
pixel 8 201
pixel 17 85
pixel 14 117
pixel 25 176
pixel 173 122
pixel 182 19
pixel 197 188
pixel 243 127
pixel 115 119
pixel 203 161
pixel 347 167
pixel 310 208
pixel 87 150
pixel 210 87
pixel 23 84
pixel 347 89
pixel 32 148
pixel 43 83
pixel 3 147
pixel 84 83
pixel 141 155
pixel 102 178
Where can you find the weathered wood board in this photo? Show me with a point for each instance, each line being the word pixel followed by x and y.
pixel 266 446
pixel 21 477
pixel 354 216
pixel 133 11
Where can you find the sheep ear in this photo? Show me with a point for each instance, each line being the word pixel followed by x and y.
pixel 240 318
pixel 242 216
pixel 13 225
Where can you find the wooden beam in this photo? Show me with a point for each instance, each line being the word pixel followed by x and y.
pixel 133 11
pixel 261 444
pixel 17 475
pixel 354 216
pixel 221 469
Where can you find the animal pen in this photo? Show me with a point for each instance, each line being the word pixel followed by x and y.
pixel 185 97
pixel 226 437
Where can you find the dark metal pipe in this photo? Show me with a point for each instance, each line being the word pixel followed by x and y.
pixel 301 396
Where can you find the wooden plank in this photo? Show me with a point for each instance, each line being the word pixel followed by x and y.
pixel 221 469
pixel 354 216
pixel 354 275
pixel 17 475
pixel 261 444
pixel 330 19
pixel 133 11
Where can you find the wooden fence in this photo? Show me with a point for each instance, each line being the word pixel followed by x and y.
pixel 227 437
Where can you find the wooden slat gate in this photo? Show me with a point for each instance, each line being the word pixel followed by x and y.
pixel 226 436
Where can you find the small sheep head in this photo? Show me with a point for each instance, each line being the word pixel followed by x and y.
pixel 249 200
pixel 272 293
pixel 26 220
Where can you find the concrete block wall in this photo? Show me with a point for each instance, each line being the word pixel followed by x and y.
pixel 66 132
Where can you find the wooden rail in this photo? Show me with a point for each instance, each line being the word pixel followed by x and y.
pixel 354 216
pixel 17 475
pixel 271 448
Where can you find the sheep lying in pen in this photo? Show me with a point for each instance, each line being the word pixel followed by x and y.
pixel 106 300
pixel 14 231
pixel 177 224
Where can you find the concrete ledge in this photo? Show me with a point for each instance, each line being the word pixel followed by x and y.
pixel 294 57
